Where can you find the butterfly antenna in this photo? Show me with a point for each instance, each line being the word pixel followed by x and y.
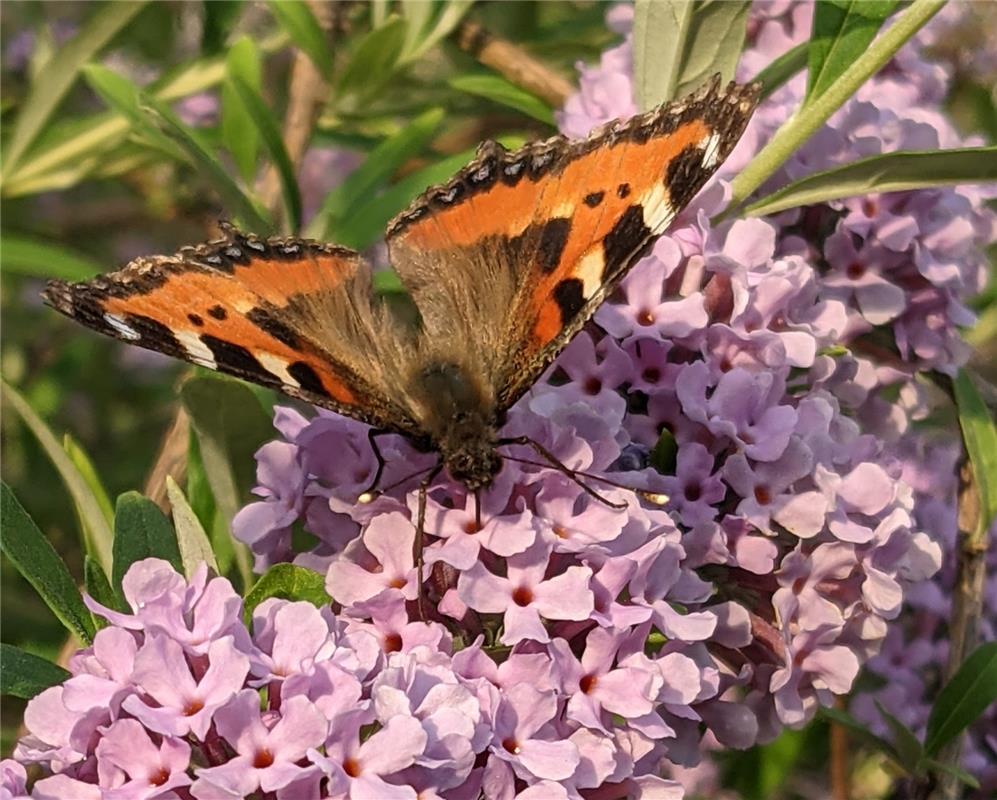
pixel 550 460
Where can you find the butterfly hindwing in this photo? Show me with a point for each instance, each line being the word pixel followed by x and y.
pixel 253 308
pixel 528 243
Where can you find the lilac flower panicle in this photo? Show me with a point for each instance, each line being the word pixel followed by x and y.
pixel 571 647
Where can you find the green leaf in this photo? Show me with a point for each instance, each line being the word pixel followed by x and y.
pixel 980 436
pixel 803 124
pixel 267 127
pixel 164 130
pixel 964 698
pixel 380 164
pixel 908 747
pixel 88 472
pixel 678 45
pixel 954 771
pixel 842 30
pixel 98 586
pixel 195 548
pixel 96 533
pixel 141 530
pixel 202 501
pixel 35 558
pixel 421 38
pixel 499 90
pixel 239 135
pixel 373 62
pixel 295 17
pixel 25 675
pixel 386 281
pixel 59 75
pixel 231 426
pixel 890 172
pixel 288 582
pixel 664 453
pixel 25 255
pixel 213 173
pixel 783 69
pixel 71 150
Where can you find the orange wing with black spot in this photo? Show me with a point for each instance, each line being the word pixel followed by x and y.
pixel 289 314
pixel 527 244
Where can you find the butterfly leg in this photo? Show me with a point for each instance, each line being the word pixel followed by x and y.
pixel 552 460
pixel 370 492
pixel 420 525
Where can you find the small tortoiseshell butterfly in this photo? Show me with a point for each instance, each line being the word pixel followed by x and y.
pixel 505 264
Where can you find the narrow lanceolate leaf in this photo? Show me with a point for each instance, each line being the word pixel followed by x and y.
pixel 72 150
pixel 380 164
pixel 783 69
pixel 802 125
pixel 239 134
pixel 288 582
pixel 98 586
pixel 26 255
pixel 87 470
pixel 96 534
pixel 35 558
pixel 680 44
pixel 295 17
pixel 141 531
pixel 214 174
pixel 890 172
pixel 195 548
pixel 499 90
pixel 373 61
pixel 265 124
pixel 964 698
pixel 980 436
pixel 25 675
pixel 59 75
pixel 842 30
pixel 908 746
pixel 231 426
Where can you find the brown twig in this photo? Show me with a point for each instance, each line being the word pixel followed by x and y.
pixel 307 94
pixel 839 758
pixel 170 460
pixel 513 63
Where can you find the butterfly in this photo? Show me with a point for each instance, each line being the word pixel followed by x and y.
pixel 505 263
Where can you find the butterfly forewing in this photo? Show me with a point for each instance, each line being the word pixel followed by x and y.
pixel 289 314
pixel 520 248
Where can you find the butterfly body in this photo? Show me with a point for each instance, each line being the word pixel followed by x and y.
pixel 505 264
pixel 461 425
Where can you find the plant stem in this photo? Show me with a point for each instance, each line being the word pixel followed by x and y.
pixel 513 63
pixel 967 608
pixel 807 120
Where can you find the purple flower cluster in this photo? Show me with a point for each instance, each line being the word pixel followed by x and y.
pixel 180 699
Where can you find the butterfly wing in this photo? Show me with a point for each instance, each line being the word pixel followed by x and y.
pixel 289 314
pixel 517 252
